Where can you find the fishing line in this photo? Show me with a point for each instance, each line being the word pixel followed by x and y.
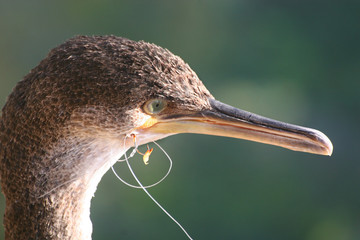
pixel 131 155
pixel 144 187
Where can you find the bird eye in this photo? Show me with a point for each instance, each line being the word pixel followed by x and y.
pixel 155 106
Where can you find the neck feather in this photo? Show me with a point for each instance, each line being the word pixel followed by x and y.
pixel 55 201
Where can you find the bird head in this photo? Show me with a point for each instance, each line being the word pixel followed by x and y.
pixel 116 86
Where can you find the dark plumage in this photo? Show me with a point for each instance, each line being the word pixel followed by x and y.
pixel 64 124
pixel 86 87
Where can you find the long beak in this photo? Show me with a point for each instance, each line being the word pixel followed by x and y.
pixel 225 120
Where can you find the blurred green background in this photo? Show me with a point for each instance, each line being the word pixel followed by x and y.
pixel 295 61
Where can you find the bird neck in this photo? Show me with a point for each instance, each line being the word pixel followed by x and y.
pixel 54 202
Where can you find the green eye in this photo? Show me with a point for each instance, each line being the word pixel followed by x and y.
pixel 155 106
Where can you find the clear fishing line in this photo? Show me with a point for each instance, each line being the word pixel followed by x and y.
pixel 144 187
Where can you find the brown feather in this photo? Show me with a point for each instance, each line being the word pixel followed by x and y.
pixel 84 97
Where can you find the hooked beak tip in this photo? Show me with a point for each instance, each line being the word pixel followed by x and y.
pixel 327 144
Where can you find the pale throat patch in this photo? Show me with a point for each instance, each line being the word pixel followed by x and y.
pixel 104 154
